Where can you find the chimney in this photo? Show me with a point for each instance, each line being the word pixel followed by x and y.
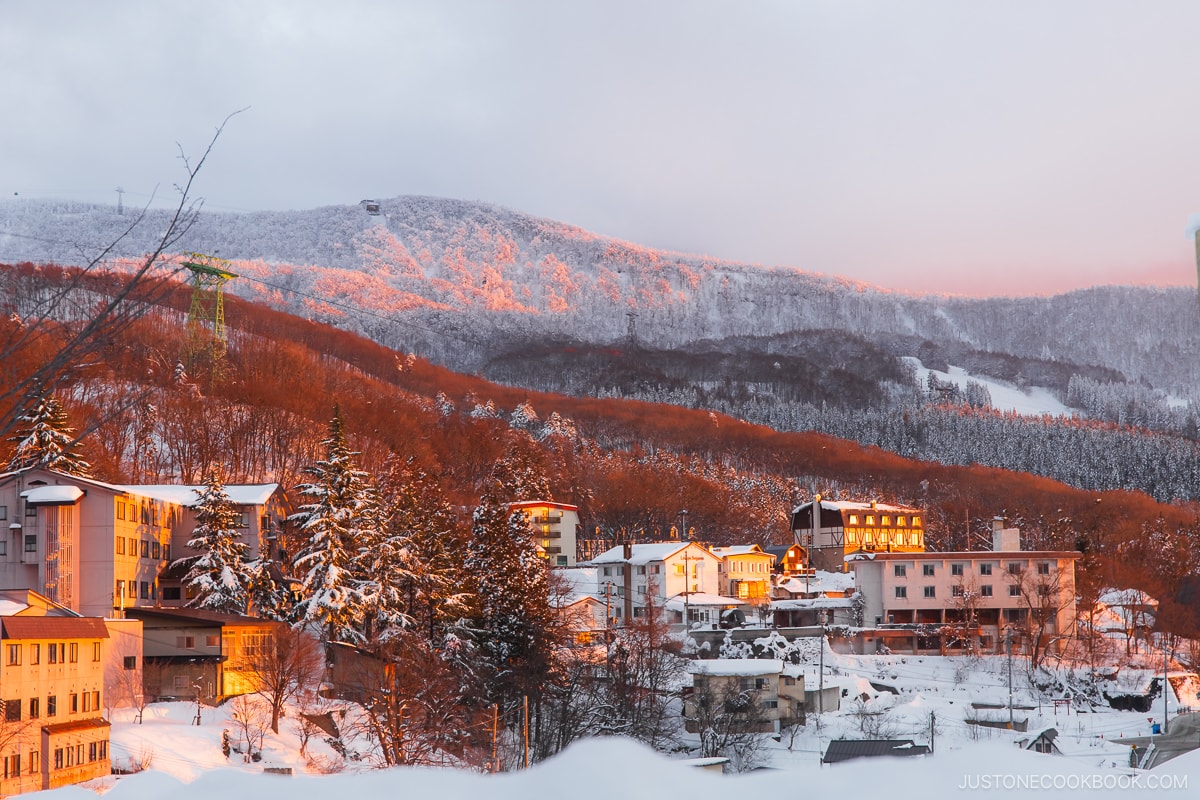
pixel 1006 540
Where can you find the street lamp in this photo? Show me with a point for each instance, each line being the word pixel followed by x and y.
pixel 686 536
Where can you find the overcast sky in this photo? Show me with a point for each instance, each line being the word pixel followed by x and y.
pixel 969 147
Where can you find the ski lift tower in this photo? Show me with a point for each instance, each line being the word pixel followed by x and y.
pixel 209 276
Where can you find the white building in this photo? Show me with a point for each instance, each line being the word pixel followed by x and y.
pixel 630 573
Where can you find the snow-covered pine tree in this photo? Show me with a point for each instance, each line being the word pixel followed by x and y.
pixel 219 574
pixel 516 628
pixel 44 438
pixel 382 566
pixel 330 594
pixel 430 543
pixel 269 597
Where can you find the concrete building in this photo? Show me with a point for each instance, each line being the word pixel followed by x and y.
pixel 675 571
pixel 99 548
pixel 932 602
pixel 556 526
pixel 777 697
pixel 745 572
pixel 52 680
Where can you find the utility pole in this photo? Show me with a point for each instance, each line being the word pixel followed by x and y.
pixel 821 668
pixel 495 733
pixel 526 731
pixel 1166 685
pixel 1008 647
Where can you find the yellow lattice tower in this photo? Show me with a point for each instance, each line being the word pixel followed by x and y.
pixel 207 314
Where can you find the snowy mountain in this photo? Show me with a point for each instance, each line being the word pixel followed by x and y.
pixel 546 306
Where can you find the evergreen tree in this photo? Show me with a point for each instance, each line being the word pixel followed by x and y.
pixel 431 544
pixel 45 438
pixel 514 624
pixel 269 597
pixel 330 594
pixel 219 575
pixel 383 565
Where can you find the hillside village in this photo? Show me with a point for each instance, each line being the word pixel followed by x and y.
pixel 729 650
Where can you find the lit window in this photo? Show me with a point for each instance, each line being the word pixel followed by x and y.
pixel 854 519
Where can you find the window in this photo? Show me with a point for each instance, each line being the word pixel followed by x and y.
pixel 34 762
pixel 155 550
pixel 12 710
pixel 916 521
pixel 87 701
pixel 886 521
pixel 73 652
pixel 985 590
pixel 30 511
pixel 119 594
pixel 74 703
pixel 927 570
pixel 171 593
pixel 145 548
pixel 1014 568
pixel 901 591
pixel 51 704
pixel 186 642
pixel 167 552
pixel 1043 567
pixel 130 662
pixel 180 682
pixel 3 547
pixel 641 570
pixel 985 569
pixel 35 707
pixel 900 570
pixel 35 654
pixel 120 545
pixel 53 653
pixel 31 543
pixel 121 514
pixel 854 519
pixel 132 546
pixel 899 522
pixel 95 652
pixel 956 570
pixel 655 569
pixel 14 655
pixel 145 591
pixel 929 591
pixel 96 699
pixel 956 591
pixel 92 749
pixel 103 749
pixel 870 520
pixel 58 758
pixel 12 766
pixel 1014 591
pixel 3 512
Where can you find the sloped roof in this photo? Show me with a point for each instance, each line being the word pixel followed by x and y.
pixel 54 628
pixel 644 553
pixel 196 617
pixel 847 749
pixel 248 494
pixel 739 550
pixel 842 505
pixel 736 666
pixel 77 725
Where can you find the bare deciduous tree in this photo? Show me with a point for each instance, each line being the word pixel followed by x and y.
pixel 283 666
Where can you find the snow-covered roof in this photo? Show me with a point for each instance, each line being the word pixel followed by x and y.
pixel 736 666
pixel 52 495
pixel 842 505
pixel 580 582
pixel 738 550
pixel 677 602
pixel 814 602
pixel 820 582
pixel 642 553
pixel 1125 597
pixel 10 607
pixel 251 494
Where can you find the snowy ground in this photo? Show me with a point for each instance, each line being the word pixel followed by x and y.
pixel 186 760
pixel 1005 397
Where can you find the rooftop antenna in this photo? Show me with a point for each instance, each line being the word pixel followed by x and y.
pixel 120 205
pixel 206 318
